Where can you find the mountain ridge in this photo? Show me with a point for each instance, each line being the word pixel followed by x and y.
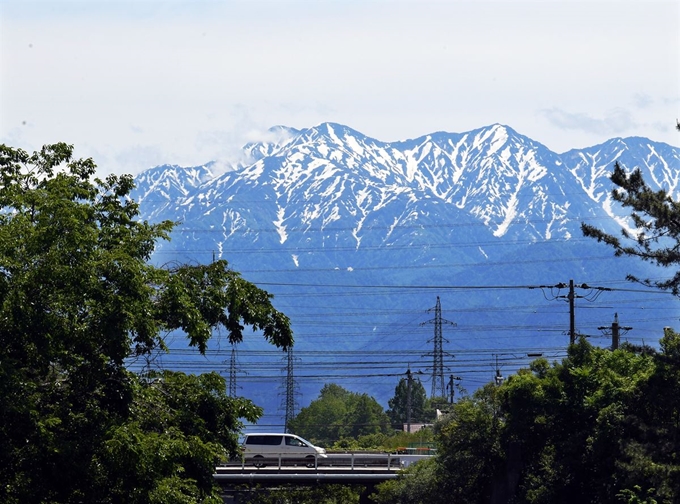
pixel 328 216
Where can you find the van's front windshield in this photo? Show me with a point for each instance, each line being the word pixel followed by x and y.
pixel 308 443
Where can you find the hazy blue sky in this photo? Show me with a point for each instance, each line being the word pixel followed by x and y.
pixel 136 84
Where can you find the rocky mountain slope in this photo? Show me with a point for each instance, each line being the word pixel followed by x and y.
pixel 356 237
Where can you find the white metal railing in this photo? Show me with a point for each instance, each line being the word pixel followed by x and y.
pixel 352 460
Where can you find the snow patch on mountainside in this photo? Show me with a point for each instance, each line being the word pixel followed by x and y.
pixel 278 223
pixel 500 137
pixel 331 133
pixel 354 145
pixel 253 172
pixel 510 213
pixel 667 176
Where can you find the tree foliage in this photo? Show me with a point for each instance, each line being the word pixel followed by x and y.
pixel 421 410
pixel 179 428
pixel 78 299
pixel 318 494
pixel 656 217
pixel 599 427
pixel 569 425
pixel 418 483
pixel 338 413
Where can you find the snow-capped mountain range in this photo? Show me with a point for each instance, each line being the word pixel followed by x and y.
pixel 357 190
pixel 328 206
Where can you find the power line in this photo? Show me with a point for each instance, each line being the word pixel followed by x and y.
pixel 450 287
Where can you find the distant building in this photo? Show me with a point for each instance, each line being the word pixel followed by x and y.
pixel 415 427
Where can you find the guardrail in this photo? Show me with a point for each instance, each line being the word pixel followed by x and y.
pixel 351 461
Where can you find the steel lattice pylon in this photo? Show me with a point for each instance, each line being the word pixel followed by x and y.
pixel 290 390
pixel 438 353
pixel 438 387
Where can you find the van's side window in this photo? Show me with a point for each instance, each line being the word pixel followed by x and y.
pixel 291 441
pixel 264 440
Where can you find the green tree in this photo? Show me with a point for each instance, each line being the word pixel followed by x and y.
pixel 565 424
pixel 398 440
pixel 652 430
pixel 364 417
pixel 469 448
pixel 419 404
pixel 338 413
pixel 418 483
pixel 323 420
pixel 318 494
pixel 468 457
pixel 180 425
pixel 657 219
pixel 596 425
pixel 78 299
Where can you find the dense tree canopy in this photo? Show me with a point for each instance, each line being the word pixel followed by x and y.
pixel 423 409
pixel 78 298
pixel 398 405
pixel 599 427
pixel 338 413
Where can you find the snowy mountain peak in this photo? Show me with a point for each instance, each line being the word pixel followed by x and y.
pixel 271 142
pixel 167 180
pixel 353 190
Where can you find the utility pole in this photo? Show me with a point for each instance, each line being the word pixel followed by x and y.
pixel 615 331
pixel 451 389
pixel 409 381
pixel 498 378
pixel 571 297
pixel 572 316
pixel 438 353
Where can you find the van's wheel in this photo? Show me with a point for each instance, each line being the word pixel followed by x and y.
pixel 258 461
pixel 309 461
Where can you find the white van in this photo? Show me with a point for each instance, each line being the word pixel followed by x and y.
pixel 275 448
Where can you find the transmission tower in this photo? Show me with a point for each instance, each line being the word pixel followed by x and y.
pixel 232 373
pixel 438 388
pixel 291 390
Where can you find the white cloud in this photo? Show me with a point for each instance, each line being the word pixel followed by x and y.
pixel 613 122
pixel 642 100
